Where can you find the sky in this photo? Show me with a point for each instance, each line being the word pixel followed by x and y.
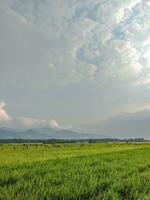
pixel 74 63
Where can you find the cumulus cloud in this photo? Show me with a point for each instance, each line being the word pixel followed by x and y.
pixel 27 122
pixel 94 41
pixel 31 122
pixel 92 48
pixel 34 123
pixel 4 117
pixel 54 124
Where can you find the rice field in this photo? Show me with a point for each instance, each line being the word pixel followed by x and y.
pixel 75 172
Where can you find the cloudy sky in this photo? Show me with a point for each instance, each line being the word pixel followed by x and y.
pixel 71 63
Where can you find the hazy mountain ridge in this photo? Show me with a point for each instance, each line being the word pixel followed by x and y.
pixel 129 125
pixel 45 133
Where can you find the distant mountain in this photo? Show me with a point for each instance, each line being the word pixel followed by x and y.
pixel 45 133
pixel 6 133
pixel 124 125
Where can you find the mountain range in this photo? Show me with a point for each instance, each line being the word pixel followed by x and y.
pixel 44 133
pixel 123 125
pixel 127 125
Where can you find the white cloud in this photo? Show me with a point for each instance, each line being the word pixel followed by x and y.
pixel 95 42
pixel 92 71
pixel 34 123
pixel 4 117
pixel 31 122
pixel 27 122
pixel 54 124
pixel 109 35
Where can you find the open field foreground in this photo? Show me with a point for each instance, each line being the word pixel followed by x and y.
pixel 75 171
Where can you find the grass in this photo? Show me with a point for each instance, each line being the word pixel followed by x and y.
pixel 75 171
